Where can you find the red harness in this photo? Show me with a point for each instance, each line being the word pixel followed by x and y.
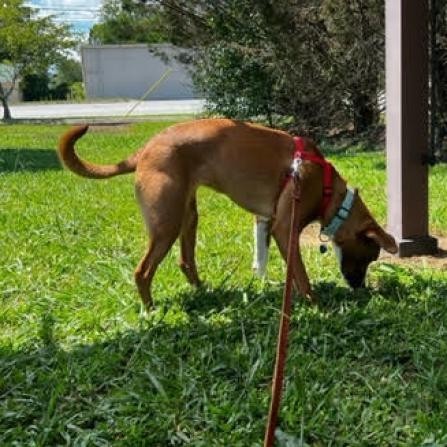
pixel 328 171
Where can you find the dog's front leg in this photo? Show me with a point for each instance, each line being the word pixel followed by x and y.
pixel 281 233
pixel 301 279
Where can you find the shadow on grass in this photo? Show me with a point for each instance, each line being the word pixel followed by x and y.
pixel 206 375
pixel 440 254
pixel 30 160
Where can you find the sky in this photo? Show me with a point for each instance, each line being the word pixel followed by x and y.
pixel 82 14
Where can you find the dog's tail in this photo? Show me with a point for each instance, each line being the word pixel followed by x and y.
pixel 71 160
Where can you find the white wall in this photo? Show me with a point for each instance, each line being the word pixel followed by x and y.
pixel 128 71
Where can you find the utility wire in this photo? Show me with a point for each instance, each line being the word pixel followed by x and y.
pixel 60 8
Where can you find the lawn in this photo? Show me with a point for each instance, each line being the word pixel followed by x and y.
pixel 80 365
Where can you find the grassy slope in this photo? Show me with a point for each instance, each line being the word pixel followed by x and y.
pixel 79 366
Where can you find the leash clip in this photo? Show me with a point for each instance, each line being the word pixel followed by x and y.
pixel 295 174
pixel 296 164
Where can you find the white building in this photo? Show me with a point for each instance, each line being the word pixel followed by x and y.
pixel 129 71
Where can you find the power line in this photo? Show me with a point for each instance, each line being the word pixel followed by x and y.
pixel 58 8
pixel 75 19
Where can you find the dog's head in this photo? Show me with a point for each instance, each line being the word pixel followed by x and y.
pixel 358 243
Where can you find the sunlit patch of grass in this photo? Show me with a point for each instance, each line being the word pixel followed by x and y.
pixel 81 365
pixel 367 171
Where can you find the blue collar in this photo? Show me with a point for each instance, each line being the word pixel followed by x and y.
pixel 340 216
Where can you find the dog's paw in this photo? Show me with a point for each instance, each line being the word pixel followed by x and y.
pixel 204 286
pixel 146 311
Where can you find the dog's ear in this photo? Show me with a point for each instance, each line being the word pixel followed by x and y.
pixel 385 240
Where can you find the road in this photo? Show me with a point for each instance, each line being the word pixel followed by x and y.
pixel 106 109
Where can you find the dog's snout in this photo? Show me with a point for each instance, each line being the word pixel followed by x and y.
pixel 355 280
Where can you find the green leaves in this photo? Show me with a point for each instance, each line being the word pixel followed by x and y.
pixel 29 44
pixel 225 70
pixel 319 63
pixel 124 21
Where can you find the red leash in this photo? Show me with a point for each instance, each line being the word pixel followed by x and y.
pixel 281 349
pixel 314 156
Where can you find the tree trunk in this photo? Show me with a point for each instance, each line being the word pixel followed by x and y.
pixel 6 111
pixel 365 112
pixel 4 94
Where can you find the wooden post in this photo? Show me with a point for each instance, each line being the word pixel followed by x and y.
pixel 407 142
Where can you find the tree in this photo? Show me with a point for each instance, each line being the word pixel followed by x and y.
pixel 55 83
pixel 35 86
pixel 127 21
pixel 68 71
pixel 28 44
pixel 356 29
pixel 313 64
pixel 439 80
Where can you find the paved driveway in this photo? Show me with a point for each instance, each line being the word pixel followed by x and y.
pixel 109 109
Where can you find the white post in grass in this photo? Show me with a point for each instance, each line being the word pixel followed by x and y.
pixel 261 235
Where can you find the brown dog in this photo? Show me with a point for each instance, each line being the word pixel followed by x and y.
pixel 246 162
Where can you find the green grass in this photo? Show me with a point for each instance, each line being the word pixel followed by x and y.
pixel 80 366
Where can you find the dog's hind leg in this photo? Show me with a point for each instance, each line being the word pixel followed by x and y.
pixel 162 203
pixel 188 243
pixel 145 271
